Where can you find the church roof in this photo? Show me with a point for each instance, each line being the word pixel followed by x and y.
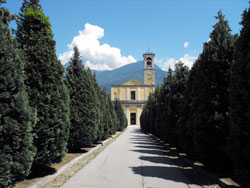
pixel 132 82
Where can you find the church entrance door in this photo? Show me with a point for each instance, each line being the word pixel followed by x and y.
pixel 133 118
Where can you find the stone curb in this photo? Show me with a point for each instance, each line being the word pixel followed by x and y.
pixel 47 179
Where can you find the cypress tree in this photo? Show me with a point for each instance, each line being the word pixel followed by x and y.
pixel 122 120
pixel 162 109
pixel 113 120
pixel 105 114
pixel 239 140
pixel 47 92
pixel 185 122
pixel 83 130
pixel 211 105
pixel 16 117
pixel 100 116
pixel 148 116
pixel 174 101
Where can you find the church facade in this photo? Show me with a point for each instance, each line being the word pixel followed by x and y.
pixel 133 94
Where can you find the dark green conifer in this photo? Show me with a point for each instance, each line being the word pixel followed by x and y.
pixel 174 102
pixel 83 108
pixel 113 120
pixel 47 92
pixel 185 122
pixel 162 107
pixel 148 116
pixel 122 120
pixel 211 105
pixel 105 114
pixel 16 117
pixel 100 115
pixel 239 140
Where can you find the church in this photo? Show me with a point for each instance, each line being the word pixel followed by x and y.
pixel 133 94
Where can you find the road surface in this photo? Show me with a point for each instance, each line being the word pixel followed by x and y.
pixel 134 160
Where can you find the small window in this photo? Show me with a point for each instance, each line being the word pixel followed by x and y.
pixel 132 95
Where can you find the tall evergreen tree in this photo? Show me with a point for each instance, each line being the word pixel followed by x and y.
pixel 122 120
pixel 211 105
pixel 239 142
pixel 162 107
pixel 99 116
pixel 148 116
pixel 175 101
pixel 83 130
pixel 47 92
pixel 16 117
pixel 185 122
pixel 105 114
pixel 113 120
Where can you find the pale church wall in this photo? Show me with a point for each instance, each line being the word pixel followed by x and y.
pixel 123 93
pixel 142 91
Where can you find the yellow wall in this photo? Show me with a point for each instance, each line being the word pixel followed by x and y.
pixel 149 79
pixel 115 92
pixel 122 93
pixel 132 108
pixel 142 93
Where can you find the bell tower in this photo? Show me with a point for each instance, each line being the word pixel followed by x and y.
pixel 149 68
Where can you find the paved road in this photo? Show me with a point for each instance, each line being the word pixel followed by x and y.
pixel 132 161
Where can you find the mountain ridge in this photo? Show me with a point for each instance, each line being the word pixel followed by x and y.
pixel 125 73
pixel 118 76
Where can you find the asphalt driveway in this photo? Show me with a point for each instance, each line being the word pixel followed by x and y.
pixel 134 160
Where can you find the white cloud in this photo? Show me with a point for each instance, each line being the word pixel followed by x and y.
pixel 186 44
pixel 95 55
pixel 186 60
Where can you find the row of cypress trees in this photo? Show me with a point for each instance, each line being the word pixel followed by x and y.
pixel 93 116
pixel 44 112
pixel 205 111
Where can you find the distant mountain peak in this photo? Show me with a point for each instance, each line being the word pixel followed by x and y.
pixel 118 76
pixel 126 73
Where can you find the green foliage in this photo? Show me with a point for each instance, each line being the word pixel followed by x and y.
pixel 100 114
pixel 162 112
pixel 191 110
pixel 112 117
pixel 44 79
pixel 174 101
pixel 105 114
pixel 33 14
pixel 239 140
pixel 211 104
pixel 16 117
pixel 122 119
pixel 185 122
pixel 84 109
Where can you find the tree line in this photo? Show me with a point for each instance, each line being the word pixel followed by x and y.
pixel 45 111
pixel 205 112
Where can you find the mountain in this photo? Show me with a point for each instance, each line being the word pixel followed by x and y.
pixel 125 73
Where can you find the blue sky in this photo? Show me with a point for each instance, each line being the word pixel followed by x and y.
pixel 117 32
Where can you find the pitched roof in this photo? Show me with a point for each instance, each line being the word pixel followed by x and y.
pixel 132 82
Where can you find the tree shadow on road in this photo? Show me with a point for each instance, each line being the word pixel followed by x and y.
pixel 167 173
pixel 161 160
